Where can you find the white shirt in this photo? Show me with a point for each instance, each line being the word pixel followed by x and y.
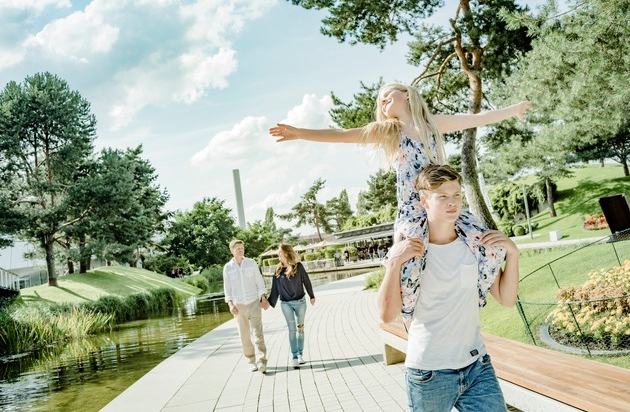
pixel 445 331
pixel 243 283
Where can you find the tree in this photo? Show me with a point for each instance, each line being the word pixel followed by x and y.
pixel 381 191
pixel 260 236
pixel 310 211
pixel 478 42
pixel 121 207
pixel 339 209
pixel 577 73
pixel 203 234
pixel 46 135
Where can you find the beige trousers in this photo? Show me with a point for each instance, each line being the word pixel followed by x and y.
pixel 249 320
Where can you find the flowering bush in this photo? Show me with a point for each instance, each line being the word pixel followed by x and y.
pixel 595 221
pixel 597 311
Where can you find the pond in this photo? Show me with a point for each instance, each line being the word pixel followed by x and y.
pixel 86 375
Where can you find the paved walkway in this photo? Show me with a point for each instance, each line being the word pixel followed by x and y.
pixel 344 368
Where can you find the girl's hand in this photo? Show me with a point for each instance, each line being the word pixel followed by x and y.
pixel 498 238
pixel 284 131
pixel 312 301
pixel 406 249
pixel 521 108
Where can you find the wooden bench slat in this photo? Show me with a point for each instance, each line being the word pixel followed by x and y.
pixel 575 381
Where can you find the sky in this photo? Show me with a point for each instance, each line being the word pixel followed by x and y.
pixel 198 83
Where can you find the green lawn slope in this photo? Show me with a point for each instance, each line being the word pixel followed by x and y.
pixel 578 195
pixel 110 280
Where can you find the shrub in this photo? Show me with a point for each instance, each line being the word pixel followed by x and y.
pixel 519 230
pixel 308 257
pixel 213 273
pixel 601 307
pixel 595 221
pixel 505 226
pixel 199 281
pixel 374 280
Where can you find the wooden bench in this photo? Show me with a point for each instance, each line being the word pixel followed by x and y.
pixel 538 379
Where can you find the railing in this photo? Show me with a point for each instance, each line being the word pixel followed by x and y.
pixel 9 281
pixel 557 310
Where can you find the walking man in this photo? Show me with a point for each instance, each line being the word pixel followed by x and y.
pixel 246 294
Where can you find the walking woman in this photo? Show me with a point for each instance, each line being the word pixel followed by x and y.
pixel 288 285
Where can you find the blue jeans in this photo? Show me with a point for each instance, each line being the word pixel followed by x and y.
pixel 474 388
pixel 294 311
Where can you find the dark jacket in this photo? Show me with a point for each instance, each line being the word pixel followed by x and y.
pixel 290 289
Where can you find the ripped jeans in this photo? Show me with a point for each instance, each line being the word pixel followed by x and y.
pixel 294 311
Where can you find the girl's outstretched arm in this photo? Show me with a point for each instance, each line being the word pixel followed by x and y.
pixel 452 123
pixel 286 132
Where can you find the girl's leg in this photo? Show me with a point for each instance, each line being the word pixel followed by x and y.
pixel 289 316
pixel 300 312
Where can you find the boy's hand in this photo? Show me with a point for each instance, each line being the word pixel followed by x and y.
pixel 284 131
pixel 498 238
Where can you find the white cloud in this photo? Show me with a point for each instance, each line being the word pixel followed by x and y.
pixel 312 112
pixel 78 36
pixel 242 143
pixel 37 5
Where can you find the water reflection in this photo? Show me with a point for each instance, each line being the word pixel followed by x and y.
pixel 86 375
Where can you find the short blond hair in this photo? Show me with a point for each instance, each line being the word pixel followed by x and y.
pixel 235 242
pixel 434 176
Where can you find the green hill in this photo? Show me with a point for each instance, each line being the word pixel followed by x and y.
pixel 110 280
pixel 578 196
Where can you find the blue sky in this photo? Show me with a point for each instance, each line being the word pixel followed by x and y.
pixel 198 84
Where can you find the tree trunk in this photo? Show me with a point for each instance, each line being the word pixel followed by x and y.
pixel 70 266
pixel 550 200
pixel 624 162
pixel 50 260
pixel 471 182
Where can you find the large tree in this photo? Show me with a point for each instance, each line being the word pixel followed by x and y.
pixel 477 45
pixel 339 209
pixel 577 76
pixel 308 211
pixel 121 205
pixel 202 235
pixel 46 135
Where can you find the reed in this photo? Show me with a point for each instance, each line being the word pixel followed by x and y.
pixel 28 327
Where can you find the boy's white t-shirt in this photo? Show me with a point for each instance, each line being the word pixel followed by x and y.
pixel 445 330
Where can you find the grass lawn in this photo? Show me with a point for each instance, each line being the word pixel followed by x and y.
pixel 109 280
pixel 578 195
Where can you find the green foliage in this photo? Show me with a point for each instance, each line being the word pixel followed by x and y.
pixel 519 230
pixel 271 262
pixel 360 111
pixel 164 264
pixel 261 236
pixel 199 281
pixel 28 327
pixel 506 226
pixel 381 191
pixel 46 136
pixel 339 209
pixel 308 257
pixel 576 74
pixel 202 235
pixel 214 273
pixel 309 211
pixel 374 279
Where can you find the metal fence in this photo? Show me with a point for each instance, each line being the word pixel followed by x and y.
pixel 580 301
pixel 9 281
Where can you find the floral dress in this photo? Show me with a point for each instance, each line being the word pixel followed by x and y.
pixel 411 221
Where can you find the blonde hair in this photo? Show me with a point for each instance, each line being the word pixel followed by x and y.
pixel 234 242
pixel 433 176
pixel 292 261
pixel 386 131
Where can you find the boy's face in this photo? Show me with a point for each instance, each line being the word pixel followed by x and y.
pixel 443 204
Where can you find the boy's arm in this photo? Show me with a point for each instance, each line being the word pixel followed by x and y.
pixel 505 287
pixel 388 299
pixel 286 132
pixel 453 123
